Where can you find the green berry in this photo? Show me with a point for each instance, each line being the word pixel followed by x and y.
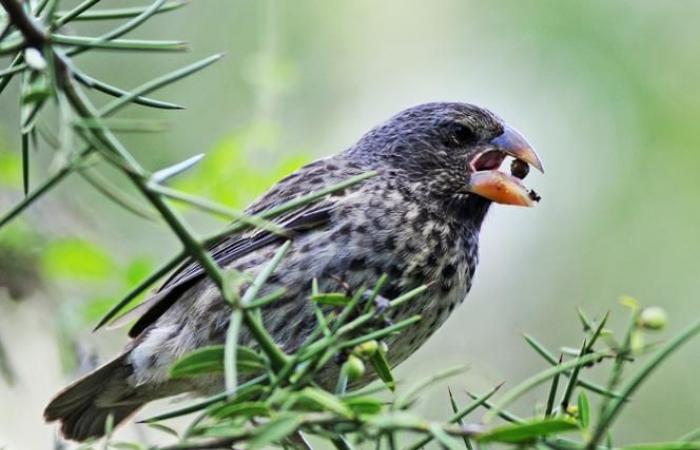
pixel 354 367
pixel 653 318
pixel 572 410
pixel 366 349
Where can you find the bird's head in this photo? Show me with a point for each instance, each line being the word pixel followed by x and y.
pixel 452 151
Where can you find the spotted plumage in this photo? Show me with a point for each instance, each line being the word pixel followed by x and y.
pixel 417 221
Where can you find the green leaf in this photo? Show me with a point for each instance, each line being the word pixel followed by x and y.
pixel 638 378
pixel 459 415
pixel 36 93
pixel 111 14
pixel 324 401
pixel 77 259
pixel 331 298
pixel 364 405
pixel 455 410
pixel 244 390
pixel 211 359
pixel 126 446
pixel 231 350
pixel 443 438
pixel 542 351
pixel 168 172
pixel 584 410
pixel 539 378
pixel 241 409
pixel 114 91
pixel 138 291
pixel 678 445
pixel 120 44
pixel 529 431
pixel 398 420
pixel 164 429
pixel 381 366
pixel 203 360
pixel 275 430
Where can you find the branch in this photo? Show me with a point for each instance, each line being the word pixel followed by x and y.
pixel 33 34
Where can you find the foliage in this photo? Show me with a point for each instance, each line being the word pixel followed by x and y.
pixel 271 397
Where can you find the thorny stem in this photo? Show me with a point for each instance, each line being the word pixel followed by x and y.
pixel 33 34
pixel 36 37
pixel 326 419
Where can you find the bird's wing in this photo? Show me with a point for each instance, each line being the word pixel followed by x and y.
pixel 235 246
pixel 228 250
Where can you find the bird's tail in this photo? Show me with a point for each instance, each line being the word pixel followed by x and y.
pixel 84 406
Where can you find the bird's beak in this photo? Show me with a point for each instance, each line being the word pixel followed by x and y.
pixel 488 182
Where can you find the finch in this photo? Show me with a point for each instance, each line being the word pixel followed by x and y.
pixel 417 220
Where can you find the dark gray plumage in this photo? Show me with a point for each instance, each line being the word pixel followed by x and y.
pixel 418 221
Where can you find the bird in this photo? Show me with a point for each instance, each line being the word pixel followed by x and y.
pixel 417 220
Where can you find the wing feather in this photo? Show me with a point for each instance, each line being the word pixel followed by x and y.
pixel 224 253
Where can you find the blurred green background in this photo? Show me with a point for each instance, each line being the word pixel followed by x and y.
pixel 606 91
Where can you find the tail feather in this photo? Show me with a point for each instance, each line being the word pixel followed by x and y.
pixel 84 406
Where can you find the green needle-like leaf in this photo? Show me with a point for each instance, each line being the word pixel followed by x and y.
pixel 139 289
pixel 325 401
pixel 73 13
pixel 198 406
pixel 115 194
pixel 539 378
pixel 408 397
pixel 215 208
pixel 120 44
pixel 459 415
pixel 114 91
pixel 112 14
pixel 568 392
pixel 230 369
pixel 679 445
pixel 163 175
pixel 275 430
pixel 584 410
pixel 241 409
pixel 455 410
pixel 552 393
pixel 157 83
pixel 542 351
pixel 381 367
pixel 443 438
pixel 331 299
pixel 610 413
pixel 528 431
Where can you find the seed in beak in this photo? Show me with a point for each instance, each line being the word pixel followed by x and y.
pixel 519 168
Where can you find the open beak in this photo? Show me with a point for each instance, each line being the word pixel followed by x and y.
pixel 488 182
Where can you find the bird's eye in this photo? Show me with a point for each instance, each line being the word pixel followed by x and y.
pixel 463 134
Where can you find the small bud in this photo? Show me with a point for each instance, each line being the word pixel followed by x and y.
pixel 366 349
pixel 652 318
pixel 354 367
pixel 34 59
pixel 383 347
pixel 572 410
